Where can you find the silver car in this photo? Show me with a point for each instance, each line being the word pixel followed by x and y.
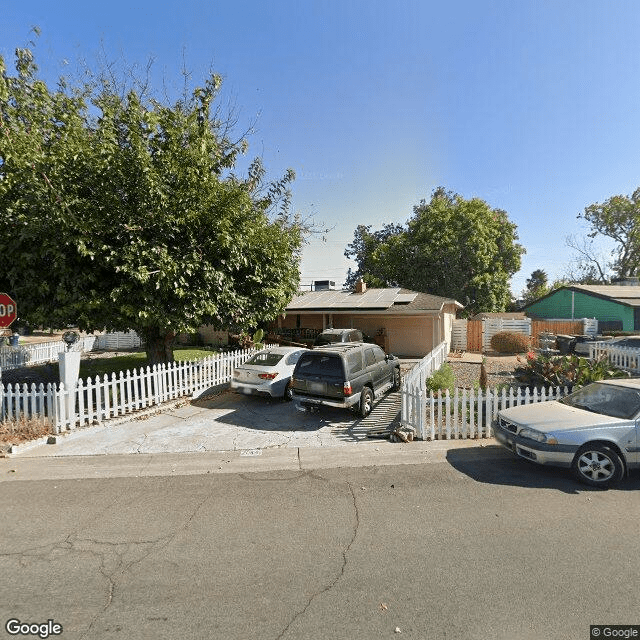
pixel 268 372
pixel 593 431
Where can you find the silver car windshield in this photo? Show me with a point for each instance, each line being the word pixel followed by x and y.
pixel 265 359
pixel 606 399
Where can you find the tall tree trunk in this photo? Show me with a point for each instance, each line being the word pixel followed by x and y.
pixel 158 345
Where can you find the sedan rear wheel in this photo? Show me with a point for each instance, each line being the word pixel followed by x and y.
pixel 288 393
pixel 598 465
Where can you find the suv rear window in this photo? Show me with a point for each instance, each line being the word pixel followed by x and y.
pixel 327 339
pixel 320 364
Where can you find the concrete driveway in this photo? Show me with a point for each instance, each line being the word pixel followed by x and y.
pixel 223 422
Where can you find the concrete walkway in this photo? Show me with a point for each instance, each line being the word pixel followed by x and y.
pixel 224 422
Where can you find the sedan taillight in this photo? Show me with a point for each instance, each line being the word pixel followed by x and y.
pixel 268 376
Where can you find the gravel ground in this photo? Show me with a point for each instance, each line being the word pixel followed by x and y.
pixel 499 371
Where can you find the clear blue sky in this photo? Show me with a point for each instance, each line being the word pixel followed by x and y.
pixel 533 106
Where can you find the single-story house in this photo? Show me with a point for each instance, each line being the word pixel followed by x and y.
pixel 411 323
pixel 616 307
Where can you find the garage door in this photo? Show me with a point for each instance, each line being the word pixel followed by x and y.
pixel 410 337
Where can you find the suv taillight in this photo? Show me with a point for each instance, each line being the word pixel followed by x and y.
pixel 347 389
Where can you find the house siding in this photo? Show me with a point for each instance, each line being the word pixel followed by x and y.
pixel 407 336
pixel 577 304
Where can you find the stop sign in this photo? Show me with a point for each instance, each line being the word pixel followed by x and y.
pixel 8 310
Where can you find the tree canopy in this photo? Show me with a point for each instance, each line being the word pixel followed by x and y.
pixel 451 247
pixel 617 219
pixel 120 211
pixel 537 285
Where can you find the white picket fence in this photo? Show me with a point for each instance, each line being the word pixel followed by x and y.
pixel 626 358
pixel 412 393
pixel 43 352
pixel 465 414
pixel 40 353
pixel 469 413
pixel 94 401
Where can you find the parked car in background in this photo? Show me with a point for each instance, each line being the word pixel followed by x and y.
pixel 629 342
pixel 268 372
pixel 344 375
pixel 332 336
pixel 593 431
pixel 582 344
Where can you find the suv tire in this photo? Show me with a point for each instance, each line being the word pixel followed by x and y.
pixel 366 402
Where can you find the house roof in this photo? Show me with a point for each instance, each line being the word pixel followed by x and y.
pixel 506 315
pixel 391 300
pixel 624 294
pixel 628 295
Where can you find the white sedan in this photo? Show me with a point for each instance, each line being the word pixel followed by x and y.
pixel 268 372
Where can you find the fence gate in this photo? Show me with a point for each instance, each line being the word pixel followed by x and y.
pixel 474 335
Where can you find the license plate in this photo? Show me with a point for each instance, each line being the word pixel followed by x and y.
pixel 316 387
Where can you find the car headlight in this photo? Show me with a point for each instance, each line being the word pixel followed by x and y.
pixel 538 436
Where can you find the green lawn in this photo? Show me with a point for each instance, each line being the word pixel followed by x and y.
pixel 95 366
pixel 130 361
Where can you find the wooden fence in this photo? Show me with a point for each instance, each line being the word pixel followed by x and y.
pixel 475 335
pixel 100 399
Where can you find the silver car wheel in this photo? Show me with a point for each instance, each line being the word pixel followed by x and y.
pixel 598 466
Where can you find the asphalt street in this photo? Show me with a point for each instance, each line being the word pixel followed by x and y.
pixel 466 542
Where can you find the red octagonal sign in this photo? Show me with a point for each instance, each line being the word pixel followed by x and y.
pixel 8 310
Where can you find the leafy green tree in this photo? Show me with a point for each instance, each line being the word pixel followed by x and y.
pixel 451 247
pixel 537 285
pixel 618 219
pixel 363 251
pixel 118 211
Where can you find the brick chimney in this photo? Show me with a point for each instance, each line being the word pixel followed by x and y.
pixel 361 286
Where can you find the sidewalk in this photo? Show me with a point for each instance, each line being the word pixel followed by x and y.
pixel 230 433
pixel 366 454
pixel 225 422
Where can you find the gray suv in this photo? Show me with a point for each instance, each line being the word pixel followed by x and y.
pixel 348 375
pixel 332 336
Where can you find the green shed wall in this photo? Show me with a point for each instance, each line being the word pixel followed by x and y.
pixel 558 305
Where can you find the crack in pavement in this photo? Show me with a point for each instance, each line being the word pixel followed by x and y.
pixel 121 569
pixel 115 559
pixel 338 577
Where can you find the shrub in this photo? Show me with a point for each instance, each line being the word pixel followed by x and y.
pixel 510 342
pixel 442 379
pixel 560 371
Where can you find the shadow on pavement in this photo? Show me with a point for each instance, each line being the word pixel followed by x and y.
pixel 494 465
pixel 266 414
